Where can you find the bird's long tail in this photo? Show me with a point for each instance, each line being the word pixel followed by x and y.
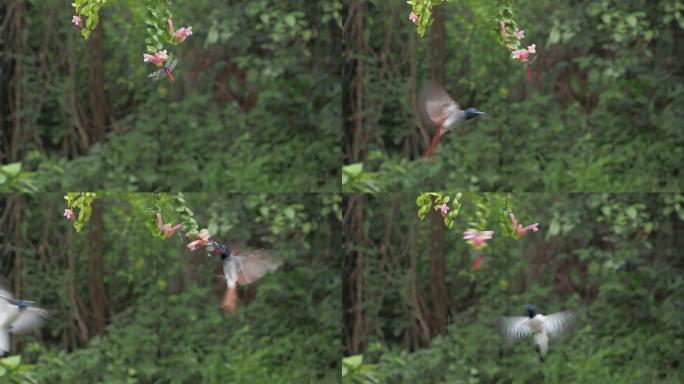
pixel 230 300
pixel 543 342
pixel 169 75
pixel 435 142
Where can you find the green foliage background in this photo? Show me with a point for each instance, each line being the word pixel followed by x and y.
pixel 602 113
pixel 163 322
pixel 255 107
pixel 614 259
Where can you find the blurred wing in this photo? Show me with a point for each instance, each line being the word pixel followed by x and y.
pixel 253 266
pixel 172 65
pixel 28 319
pixel 158 74
pixel 515 328
pixel 434 102
pixel 5 294
pixel 5 298
pixel 559 323
pixel 4 312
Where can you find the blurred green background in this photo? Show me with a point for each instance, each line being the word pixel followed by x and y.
pixel 415 311
pixel 603 111
pixel 129 308
pixel 255 106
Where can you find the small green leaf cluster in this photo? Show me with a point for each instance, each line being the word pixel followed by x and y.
pixel 90 9
pixel 81 201
pixel 158 12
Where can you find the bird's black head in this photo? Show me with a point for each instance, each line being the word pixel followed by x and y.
pixel 471 113
pixel 221 250
pixel 531 310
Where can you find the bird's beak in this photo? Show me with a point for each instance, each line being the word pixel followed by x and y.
pixel 479 113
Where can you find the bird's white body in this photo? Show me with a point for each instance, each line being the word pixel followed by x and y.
pixel 15 319
pixel 453 116
pixel 441 109
pixel 543 328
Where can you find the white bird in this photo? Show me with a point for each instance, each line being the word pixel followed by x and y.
pixel 241 270
pixel 440 110
pixel 543 328
pixel 17 316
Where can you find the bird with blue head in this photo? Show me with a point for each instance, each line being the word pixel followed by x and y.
pixel 440 110
pixel 17 316
pixel 542 328
pixel 241 269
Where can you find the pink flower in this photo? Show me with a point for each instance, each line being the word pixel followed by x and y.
pixel 167 228
pixel 502 28
pixel 520 54
pixel 182 34
pixel 69 214
pixel 76 20
pixel 519 34
pixel 519 229
pixel 156 59
pixel 477 238
pixel 532 48
pixel 203 238
pixel 169 24
pixel 413 17
pixel 478 262
pixel 444 209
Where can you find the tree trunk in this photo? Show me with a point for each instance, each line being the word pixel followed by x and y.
pixel 98 102
pixel 437 45
pixel 438 289
pixel 15 141
pixel 96 271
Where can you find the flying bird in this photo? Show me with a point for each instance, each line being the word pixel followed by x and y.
pixel 241 270
pixel 543 328
pixel 17 316
pixel 440 110
pixel 165 70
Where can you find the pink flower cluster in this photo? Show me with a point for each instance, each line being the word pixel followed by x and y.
pixel 444 209
pixel 181 34
pixel 202 239
pixel 76 20
pixel 512 41
pixel 477 239
pixel 167 228
pixel 524 54
pixel 413 17
pixel 156 59
pixel 519 229
pixel 69 214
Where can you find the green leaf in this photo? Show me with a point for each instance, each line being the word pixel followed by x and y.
pixel 11 362
pixel 12 169
pixel 352 362
pixel 353 170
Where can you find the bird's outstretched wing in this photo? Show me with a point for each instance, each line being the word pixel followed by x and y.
pixel 434 103
pixel 253 265
pixel 515 328
pixel 558 324
pixel 29 318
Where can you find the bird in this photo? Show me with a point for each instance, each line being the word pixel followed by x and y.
pixel 543 328
pixel 17 316
pixel 241 270
pixel 439 109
